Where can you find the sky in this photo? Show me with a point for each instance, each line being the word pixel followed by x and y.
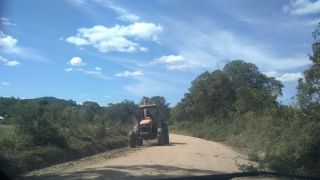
pixel 107 51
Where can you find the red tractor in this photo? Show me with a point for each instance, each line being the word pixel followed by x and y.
pixel 149 126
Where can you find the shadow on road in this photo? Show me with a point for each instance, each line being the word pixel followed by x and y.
pixel 153 143
pixel 176 143
pixel 128 172
pixel 161 172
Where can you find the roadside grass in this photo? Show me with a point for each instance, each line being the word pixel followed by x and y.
pixel 19 155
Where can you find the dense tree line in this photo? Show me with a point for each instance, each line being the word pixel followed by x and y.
pixel 238 104
pixel 239 87
pixel 49 130
pixel 45 119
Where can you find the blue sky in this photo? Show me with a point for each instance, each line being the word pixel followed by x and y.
pixel 108 51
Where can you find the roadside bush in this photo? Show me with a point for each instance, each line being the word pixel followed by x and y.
pixel 8 167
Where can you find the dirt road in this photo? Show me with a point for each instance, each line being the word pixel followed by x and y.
pixel 186 156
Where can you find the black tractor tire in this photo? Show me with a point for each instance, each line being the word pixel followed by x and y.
pixel 166 133
pixel 140 141
pixel 160 137
pixel 132 139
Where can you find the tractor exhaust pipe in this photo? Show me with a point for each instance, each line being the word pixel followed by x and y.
pixel 145 103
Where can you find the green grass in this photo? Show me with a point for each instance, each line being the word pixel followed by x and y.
pixel 6 131
pixel 19 154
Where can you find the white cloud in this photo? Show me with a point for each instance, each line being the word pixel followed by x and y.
pixel 207 49
pixel 271 74
pixel 77 41
pixel 302 7
pixel 13 63
pixel 77 62
pixel 68 69
pixel 173 62
pixel 92 72
pixel 6 22
pixel 170 59
pixel 117 38
pixel 78 65
pixel 143 30
pixel 285 77
pixel 7 42
pixel 6 62
pixel 128 73
pixel 124 15
pixel 8 45
pixel 144 49
pixel 3 83
pixel 128 17
pixel 96 72
pixel 28 53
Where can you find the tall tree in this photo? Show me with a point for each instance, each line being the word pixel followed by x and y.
pixel 163 107
pixel 309 86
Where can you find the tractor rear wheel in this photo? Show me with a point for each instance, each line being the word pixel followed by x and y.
pixel 140 141
pixel 160 137
pixel 166 133
pixel 132 139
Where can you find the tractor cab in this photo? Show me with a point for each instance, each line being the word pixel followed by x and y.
pixel 148 114
pixel 148 121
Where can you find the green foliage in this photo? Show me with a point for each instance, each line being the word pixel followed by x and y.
pixel 43 131
pixel 239 88
pixel 6 131
pixel 32 118
pixel 309 86
pixel 122 113
pixel 238 105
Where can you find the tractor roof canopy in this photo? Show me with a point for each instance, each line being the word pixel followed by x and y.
pixel 148 106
